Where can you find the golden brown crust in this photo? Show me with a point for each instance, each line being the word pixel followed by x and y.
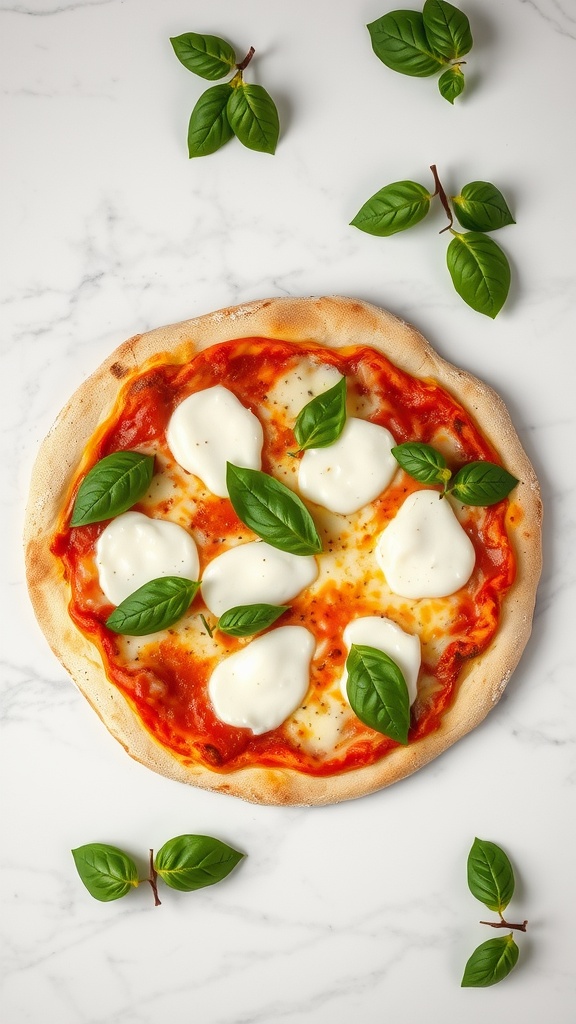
pixel 329 321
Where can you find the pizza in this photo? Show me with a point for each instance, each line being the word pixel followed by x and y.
pixel 285 550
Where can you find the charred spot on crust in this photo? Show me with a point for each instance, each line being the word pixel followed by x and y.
pixel 212 754
pixel 118 370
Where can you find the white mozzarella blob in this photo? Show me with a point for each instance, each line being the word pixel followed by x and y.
pixel 301 384
pixel 424 551
pixel 255 573
pixel 353 471
pixel 385 635
pixel 209 429
pixel 134 549
pixel 261 685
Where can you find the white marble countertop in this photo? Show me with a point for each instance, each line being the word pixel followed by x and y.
pixel 359 911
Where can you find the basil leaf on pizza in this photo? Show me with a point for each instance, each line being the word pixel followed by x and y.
pixel 248 619
pixel 207 56
pixel 107 872
pixel 479 270
pixel 393 208
pixel 112 486
pixel 480 206
pixel 209 128
pixel 377 692
pixel 322 420
pixel 491 962
pixel 253 116
pixel 451 83
pixel 192 862
pixel 155 606
pixel 482 483
pixel 422 462
pixel 490 875
pixel 399 41
pixel 447 29
pixel 274 512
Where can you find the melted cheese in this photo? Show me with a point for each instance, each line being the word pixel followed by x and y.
pixel 255 573
pixel 353 471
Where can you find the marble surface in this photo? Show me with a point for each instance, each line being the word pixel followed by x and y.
pixel 359 911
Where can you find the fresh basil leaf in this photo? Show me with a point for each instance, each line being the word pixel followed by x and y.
pixel 482 483
pixel 480 272
pixel 207 56
pixel 248 619
pixel 322 420
pixel 399 40
pixel 272 511
pixel 394 208
pixel 112 486
pixel 447 29
pixel 107 872
pixel 377 692
pixel 155 606
pixel 422 462
pixel 192 862
pixel 491 962
pixel 209 127
pixel 482 207
pixel 490 875
pixel 253 117
pixel 451 83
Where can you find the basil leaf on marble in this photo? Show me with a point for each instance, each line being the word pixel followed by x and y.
pixel 192 862
pixel 482 483
pixel 155 606
pixel 447 29
pixel 451 83
pixel 480 271
pixel 322 420
pixel 491 962
pixel 248 619
pixel 377 692
pixel 422 462
pixel 272 511
pixel 253 116
pixel 209 128
pixel 112 486
pixel 207 56
pixel 480 206
pixel 393 208
pixel 107 872
pixel 399 41
pixel 490 875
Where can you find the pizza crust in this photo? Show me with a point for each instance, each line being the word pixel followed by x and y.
pixel 332 322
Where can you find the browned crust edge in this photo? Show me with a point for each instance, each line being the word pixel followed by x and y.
pixel 331 321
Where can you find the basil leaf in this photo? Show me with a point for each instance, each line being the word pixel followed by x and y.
pixel 480 272
pixel 107 873
pixel 187 863
pixel 394 208
pixel 482 207
pixel 490 875
pixel 209 127
pixel 451 84
pixel 272 511
pixel 377 692
pixel 482 483
pixel 207 56
pixel 248 619
pixel 447 29
pixel 399 40
pixel 155 606
pixel 491 962
pixel 253 117
pixel 112 486
pixel 422 462
pixel 322 420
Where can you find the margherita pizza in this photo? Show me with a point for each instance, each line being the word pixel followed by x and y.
pixel 285 550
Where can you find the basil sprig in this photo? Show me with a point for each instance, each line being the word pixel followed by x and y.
pixel 479 268
pixel 422 44
pixel 322 420
pixel 154 606
pixel 186 863
pixel 377 692
pixel 112 486
pixel 491 880
pixel 477 483
pixel 233 108
pixel 272 511
pixel 248 619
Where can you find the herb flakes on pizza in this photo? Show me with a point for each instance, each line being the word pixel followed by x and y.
pixel 285 550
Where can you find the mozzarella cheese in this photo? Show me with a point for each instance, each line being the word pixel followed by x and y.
pixel 134 549
pixel 209 429
pixel 424 551
pixel 255 573
pixel 385 635
pixel 259 686
pixel 351 472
